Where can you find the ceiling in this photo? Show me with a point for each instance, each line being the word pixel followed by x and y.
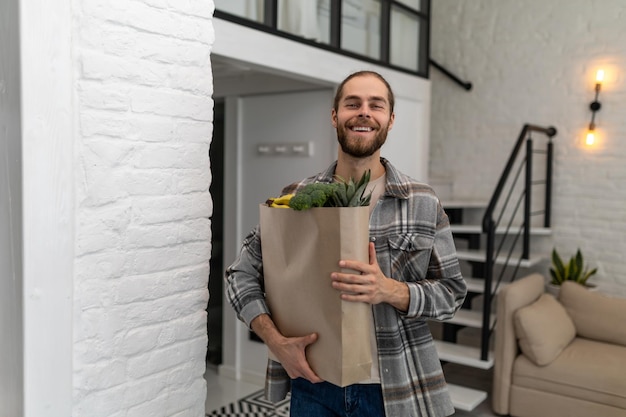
pixel 224 67
pixel 237 78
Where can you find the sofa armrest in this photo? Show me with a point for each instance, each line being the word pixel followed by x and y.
pixel 520 293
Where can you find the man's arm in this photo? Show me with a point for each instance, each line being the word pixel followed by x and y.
pixel 441 294
pixel 245 293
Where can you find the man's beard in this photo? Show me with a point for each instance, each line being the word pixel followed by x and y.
pixel 360 148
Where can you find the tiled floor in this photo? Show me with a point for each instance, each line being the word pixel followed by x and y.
pixel 222 391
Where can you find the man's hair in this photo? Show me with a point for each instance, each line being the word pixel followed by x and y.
pixel 339 92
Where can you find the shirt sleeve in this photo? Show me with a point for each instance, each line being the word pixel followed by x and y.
pixel 244 280
pixel 442 293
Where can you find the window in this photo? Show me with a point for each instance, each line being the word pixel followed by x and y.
pixel 307 18
pixel 394 33
pixel 248 9
pixel 414 4
pixel 404 38
pixel 360 27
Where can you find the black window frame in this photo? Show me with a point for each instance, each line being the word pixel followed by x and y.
pixel 270 19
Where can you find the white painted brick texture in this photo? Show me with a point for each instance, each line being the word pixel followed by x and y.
pixel 143 243
pixel 535 62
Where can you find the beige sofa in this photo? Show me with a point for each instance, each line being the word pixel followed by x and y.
pixel 559 358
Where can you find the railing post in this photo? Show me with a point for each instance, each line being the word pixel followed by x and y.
pixel 528 198
pixel 487 296
pixel 548 207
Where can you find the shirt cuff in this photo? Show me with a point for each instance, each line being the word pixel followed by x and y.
pixel 416 300
pixel 252 310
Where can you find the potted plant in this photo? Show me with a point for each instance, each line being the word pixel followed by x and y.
pixel 574 270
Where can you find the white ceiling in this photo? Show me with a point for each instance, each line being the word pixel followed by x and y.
pixel 231 77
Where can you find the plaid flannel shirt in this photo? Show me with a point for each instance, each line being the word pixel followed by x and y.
pixel 414 244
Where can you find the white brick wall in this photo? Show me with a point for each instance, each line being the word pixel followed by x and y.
pixel 144 113
pixel 535 62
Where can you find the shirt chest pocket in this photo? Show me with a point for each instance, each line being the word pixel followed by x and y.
pixel 410 256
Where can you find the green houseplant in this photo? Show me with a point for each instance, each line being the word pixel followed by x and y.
pixel 574 270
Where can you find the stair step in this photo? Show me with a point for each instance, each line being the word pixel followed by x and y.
pixel 464 398
pixel 480 256
pixel 461 203
pixel 464 355
pixel 470 318
pixel 477 285
pixel 474 229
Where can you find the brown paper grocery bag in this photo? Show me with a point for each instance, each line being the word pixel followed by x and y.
pixel 300 250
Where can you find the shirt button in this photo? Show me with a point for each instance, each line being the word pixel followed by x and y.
pixel 373 239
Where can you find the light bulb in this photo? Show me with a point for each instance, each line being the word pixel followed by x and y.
pixel 591 138
pixel 600 76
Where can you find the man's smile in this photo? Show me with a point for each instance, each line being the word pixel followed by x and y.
pixel 361 129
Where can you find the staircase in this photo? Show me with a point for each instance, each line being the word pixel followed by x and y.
pixel 497 241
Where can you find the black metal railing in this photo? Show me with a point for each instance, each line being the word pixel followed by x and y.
pixel 499 211
pixel 465 84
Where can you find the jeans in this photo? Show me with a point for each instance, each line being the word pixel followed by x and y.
pixel 327 400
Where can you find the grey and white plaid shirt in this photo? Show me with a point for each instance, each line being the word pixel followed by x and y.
pixel 414 245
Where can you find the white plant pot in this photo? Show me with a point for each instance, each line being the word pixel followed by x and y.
pixel 553 289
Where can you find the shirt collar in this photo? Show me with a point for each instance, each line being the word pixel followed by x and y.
pixel 396 185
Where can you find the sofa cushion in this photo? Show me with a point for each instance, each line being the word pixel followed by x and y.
pixel 596 316
pixel 544 329
pixel 586 369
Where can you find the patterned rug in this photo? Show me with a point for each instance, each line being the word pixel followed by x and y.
pixel 254 405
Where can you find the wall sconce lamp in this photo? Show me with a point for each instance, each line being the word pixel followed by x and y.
pixel 594 106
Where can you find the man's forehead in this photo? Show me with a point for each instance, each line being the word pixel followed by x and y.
pixel 366 87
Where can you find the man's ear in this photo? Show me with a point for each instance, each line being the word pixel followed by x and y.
pixel 333 118
pixel 392 118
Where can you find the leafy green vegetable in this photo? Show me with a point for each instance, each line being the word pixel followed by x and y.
pixel 312 195
pixel 351 194
pixel 338 194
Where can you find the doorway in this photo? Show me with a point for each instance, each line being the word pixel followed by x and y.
pixel 250 105
pixel 216 284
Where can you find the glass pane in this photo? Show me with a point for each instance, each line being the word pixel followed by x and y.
pixel 404 42
pixel 414 4
pixel 360 27
pixel 306 18
pixel 250 9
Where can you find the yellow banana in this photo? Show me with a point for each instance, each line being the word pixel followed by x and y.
pixel 283 199
pixel 280 202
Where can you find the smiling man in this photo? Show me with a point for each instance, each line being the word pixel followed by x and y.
pixel 412 276
pixel 366 110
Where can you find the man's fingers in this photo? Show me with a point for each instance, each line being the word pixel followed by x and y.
pixel 306 370
pixel 372 251
pixel 309 339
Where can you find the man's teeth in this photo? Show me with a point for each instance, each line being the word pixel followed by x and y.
pixel 362 129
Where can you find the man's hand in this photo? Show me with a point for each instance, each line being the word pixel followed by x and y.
pixel 368 284
pixel 290 351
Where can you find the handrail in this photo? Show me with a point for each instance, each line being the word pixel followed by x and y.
pixel 465 84
pixel 489 224
pixel 549 131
